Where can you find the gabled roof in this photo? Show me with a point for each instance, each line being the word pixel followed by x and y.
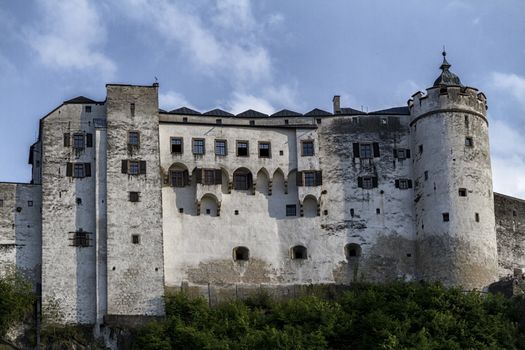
pixel 317 112
pixel 218 113
pixel 186 111
pixel 351 111
pixel 286 113
pixel 250 113
pixel 79 100
pixel 393 110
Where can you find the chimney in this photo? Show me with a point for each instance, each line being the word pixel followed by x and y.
pixel 337 104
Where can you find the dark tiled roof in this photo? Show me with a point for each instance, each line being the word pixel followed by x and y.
pixel 218 113
pixel 162 110
pixel 350 111
pixel 393 110
pixel 317 112
pixel 185 110
pixel 286 113
pixel 252 114
pixel 79 100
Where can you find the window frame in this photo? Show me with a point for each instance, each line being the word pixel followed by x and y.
pixel 305 148
pixel 131 165
pixel 237 148
pixel 194 146
pixel 79 170
pixel 289 208
pixel 369 180
pixel 137 133
pixel 208 177
pixel 307 175
pixel 366 150
pixel 469 141
pixel 135 239
pixel 217 141
pixel 181 145
pixel 134 196
pixel 79 138
pixel 264 143
pixel 177 175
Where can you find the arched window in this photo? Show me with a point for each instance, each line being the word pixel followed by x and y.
pixel 310 206
pixel 241 254
pixel 178 175
pixel 299 253
pixel 242 179
pixel 209 205
pixel 352 251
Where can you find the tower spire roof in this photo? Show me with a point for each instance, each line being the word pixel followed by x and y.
pixel 446 78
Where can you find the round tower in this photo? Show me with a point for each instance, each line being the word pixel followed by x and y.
pixel 454 203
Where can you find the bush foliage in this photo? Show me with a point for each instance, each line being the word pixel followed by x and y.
pixel 16 300
pixel 393 316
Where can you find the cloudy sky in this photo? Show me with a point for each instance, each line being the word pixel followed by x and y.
pixel 265 55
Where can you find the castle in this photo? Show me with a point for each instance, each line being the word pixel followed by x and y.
pixel 128 200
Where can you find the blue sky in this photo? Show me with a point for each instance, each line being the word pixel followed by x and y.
pixel 265 55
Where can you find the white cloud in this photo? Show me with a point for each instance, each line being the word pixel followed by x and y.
pixel 508 159
pixel 234 14
pixel 241 102
pixel 511 83
pixel 70 35
pixel 171 100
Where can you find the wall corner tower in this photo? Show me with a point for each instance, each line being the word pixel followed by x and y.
pixel 454 203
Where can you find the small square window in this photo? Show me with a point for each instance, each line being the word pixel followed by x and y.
pixel 80 239
pixel 87 109
pixel 469 142
pixel 368 182
pixel 325 212
pixel 403 184
pixel 185 119
pixel 308 148
pixel 221 148
pixel 281 153
pixel 252 122
pixel 309 178
pixel 242 148
pixel 264 149
pixel 291 210
pixel 181 210
pixel 401 154
pixel 286 122
pixel 318 121
pixel 218 121
pixel 134 196
pixel 476 216
pixel 78 141
pixel 446 217
pixel 176 145
pixel 135 239
pixel 462 192
pixel 133 138
pixel 29 203
pixel 236 212
pixel 133 167
pixel 208 211
pixel 198 146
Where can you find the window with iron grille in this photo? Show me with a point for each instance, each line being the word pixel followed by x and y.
pixel 264 149
pixel 403 184
pixel 368 182
pixel 198 146
pixel 291 210
pixel 208 177
pixel 309 178
pixel 78 141
pixel 242 148
pixel 242 182
pixel 133 167
pixel 133 138
pixel 220 147
pixel 308 148
pixel 80 239
pixel 176 145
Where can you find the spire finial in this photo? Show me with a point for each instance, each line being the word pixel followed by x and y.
pixel 445 65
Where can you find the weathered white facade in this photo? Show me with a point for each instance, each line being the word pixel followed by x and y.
pixel 128 200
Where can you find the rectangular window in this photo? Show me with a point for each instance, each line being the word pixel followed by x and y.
pixel 29 203
pixel 307 148
pixel 134 196
pixel 176 145
pixel 242 182
pixel 208 177
pixel 198 146
pixel 368 183
pixel 221 148
pixel 264 150
pixel 135 239
pixel 242 149
pixel 1 202
pixel 87 109
pixel 365 150
pixel 426 175
pixel 403 184
pixel 80 239
pixel 177 179
pixel 309 178
pixel 462 192
pixel 78 141
pixel 78 170
pixel 133 167
pixel 420 148
pixel 446 217
pixel 132 109
pixel 401 154
pixel 133 138
pixel 469 142
pixel 291 210
pixel 476 216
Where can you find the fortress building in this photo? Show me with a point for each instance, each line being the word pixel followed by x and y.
pixel 128 200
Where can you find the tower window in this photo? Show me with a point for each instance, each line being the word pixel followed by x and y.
pixel 135 239
pixel 80 239
pixel 469 142
pixel 134 196
pixel 365 150
pixel 133 167
pixel 181 210
pixel 299 253
pixel 133 138
pixel 446 217
pixel 378 211
pixel 352 212
pixel 87 109
pixel 426 175
pixel 352 251
pixel 476 216
pixel 462 192
pixel 252 122
pixel 420 148
pixel 241 254
pixel 29 203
